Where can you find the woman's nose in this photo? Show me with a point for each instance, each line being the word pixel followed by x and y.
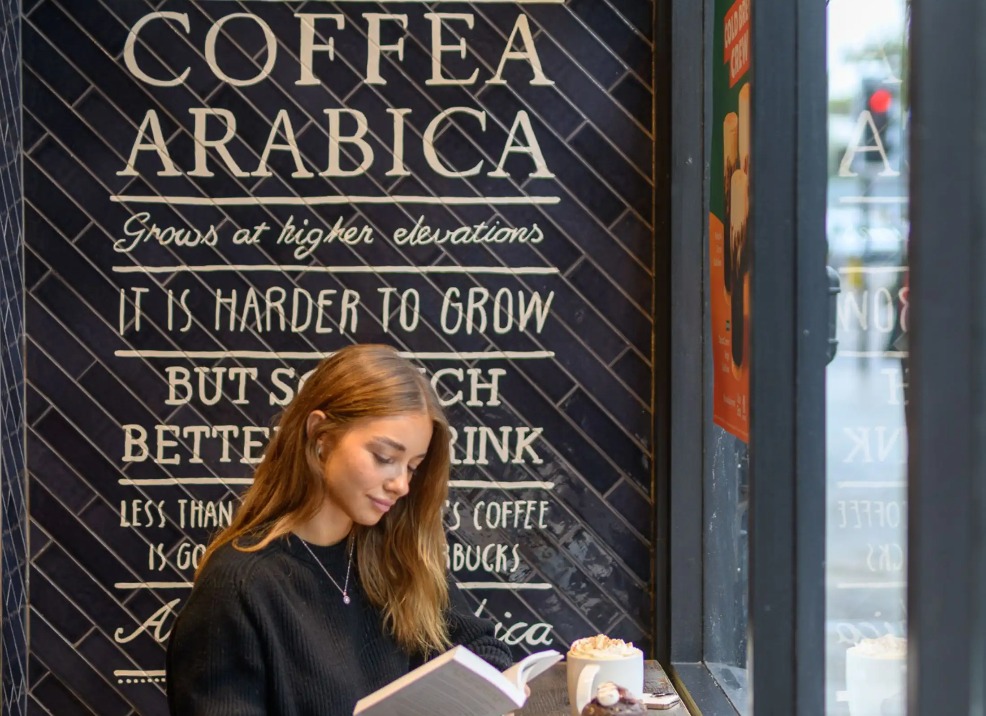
pixel 399 485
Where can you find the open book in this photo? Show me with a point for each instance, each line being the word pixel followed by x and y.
pixel 457 683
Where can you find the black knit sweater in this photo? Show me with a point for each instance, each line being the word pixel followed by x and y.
pixel 267 633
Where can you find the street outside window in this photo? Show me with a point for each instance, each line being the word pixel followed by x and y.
pixel 867 382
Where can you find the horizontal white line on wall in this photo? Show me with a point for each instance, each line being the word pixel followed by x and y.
pixel 456 2
pixel 189 481
pixel 463 484
pixel 338 200
pixel 510 586
pixel 460 2
pixel 315 355
pixel 153 585
pixel 498 270
pixel 529 485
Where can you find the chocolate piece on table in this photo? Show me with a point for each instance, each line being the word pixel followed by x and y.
pixel 621 703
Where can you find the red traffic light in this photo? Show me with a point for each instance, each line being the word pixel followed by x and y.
pixel 880 101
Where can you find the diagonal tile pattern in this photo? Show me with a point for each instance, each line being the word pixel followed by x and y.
pixel 552 497
pixel 13 505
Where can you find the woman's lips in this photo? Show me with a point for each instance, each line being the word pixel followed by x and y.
pixel 382 505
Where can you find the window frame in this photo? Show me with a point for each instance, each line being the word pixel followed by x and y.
pixel 946 488
pixel 789 341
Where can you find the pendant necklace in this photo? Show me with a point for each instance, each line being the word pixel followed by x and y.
pixel 345 585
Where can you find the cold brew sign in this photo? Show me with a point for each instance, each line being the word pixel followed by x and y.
pixel 219 194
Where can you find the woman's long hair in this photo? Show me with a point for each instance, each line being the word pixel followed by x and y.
pixel 401 560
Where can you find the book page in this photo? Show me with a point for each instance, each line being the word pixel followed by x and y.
pixel 458 682
pixel 450 692
pixel 531 666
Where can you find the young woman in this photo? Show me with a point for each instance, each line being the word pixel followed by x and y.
pixel 330 581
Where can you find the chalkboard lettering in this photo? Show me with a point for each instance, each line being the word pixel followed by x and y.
pixel 888 557
pixel 481 233
pixel 286 309
pixel 282 137
pixel 478 380
pixel 862 514
pixel 264 311
pixel 158 625
pixel 260 187
pixel 211 385
pixel 873 310
pixel 150 138
pixel 187 555
pixel 520 35
pixel 307 239
pixel 205 513
pixel 138 231
pixel 864 132
pixel 510 514
pixel 476 311
pixel 478 444
pixel 160 445
pixel 142 513
pixel 897 384
pixel 520 632
pixel 489 558
pixel 876 443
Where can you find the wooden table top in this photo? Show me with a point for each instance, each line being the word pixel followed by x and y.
pixel 549 692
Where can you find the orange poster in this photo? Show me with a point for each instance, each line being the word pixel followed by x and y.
pixel 729 237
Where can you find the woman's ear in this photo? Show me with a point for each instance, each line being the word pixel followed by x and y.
pixel 314 418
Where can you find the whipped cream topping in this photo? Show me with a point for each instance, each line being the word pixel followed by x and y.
pixel 607 694
pixel 884 647
pixel 602 647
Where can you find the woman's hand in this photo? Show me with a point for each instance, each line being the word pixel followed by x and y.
pixel 527 694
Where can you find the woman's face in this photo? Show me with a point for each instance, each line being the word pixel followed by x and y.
pixel 371 466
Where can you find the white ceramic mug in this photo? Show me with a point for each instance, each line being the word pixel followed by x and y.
pixel 586 672
pixel 875 685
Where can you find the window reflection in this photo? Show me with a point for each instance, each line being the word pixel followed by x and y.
pixel 867 230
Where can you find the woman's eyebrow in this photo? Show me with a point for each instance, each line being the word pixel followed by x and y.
pixel 392 443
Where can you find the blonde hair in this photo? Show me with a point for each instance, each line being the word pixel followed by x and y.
pixel 401 560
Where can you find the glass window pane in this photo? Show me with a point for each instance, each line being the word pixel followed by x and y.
pixel 867 230
pixel 726 580
pixel 727 355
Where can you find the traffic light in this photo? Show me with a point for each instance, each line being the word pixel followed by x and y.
pixel 878 99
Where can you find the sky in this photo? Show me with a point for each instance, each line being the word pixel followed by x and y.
pixel 853 24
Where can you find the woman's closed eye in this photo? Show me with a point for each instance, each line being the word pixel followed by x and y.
pixel 383 459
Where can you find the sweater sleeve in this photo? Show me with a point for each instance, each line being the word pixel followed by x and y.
pixel 214 664
pixel 475 633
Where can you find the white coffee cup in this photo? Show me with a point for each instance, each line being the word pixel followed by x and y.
pixel 876 677
pixel 587 670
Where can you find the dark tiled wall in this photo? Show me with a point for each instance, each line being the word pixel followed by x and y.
pixel 13 506
pixel 583 378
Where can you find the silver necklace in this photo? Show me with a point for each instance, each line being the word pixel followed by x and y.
pixel 345 585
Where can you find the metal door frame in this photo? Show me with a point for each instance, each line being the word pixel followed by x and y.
pixel 789 343
pixel 946 590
